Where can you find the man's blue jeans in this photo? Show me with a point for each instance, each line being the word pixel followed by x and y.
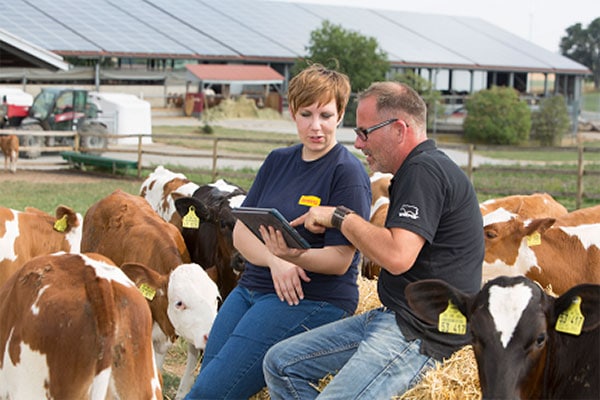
pixel 367 353
pixel 247 325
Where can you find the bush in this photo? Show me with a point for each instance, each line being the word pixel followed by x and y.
pixel 497 116
pixel 551 121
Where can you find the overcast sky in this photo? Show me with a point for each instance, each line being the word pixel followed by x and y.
pixel 542 22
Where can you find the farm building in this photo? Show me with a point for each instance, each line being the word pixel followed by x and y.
pixel 143 46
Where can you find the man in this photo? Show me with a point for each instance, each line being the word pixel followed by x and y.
pixel 433 230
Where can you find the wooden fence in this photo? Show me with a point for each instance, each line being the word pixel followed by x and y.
pixel 214 153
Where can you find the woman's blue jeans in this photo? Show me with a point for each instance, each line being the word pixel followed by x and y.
pixel 247 325
pixel 367 353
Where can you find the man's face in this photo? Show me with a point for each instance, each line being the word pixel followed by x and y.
pixel 380 144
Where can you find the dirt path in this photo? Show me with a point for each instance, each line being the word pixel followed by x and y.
pixel 59 175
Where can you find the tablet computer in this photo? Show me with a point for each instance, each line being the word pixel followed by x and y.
pixel 254 217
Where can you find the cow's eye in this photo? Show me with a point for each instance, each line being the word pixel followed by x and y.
pixel 179 305
pixel 490 234
pixel 541 339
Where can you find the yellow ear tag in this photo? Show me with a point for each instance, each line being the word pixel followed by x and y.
pixel 535 239
pixel 147 291
pixel 452 321
pixel 60 225
pixel 191 220
pixel 571 320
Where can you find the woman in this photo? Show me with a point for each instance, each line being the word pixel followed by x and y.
pixel 275 298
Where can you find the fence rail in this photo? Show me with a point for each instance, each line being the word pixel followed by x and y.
pixel 214 154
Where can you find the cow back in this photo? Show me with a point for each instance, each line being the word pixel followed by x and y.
pixel 74 324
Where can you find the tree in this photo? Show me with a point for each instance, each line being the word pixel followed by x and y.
pixel 551 121
pixel 497 116
pixel 349 52
pixel 583 45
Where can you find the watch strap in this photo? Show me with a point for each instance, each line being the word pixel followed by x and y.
pixel 338 216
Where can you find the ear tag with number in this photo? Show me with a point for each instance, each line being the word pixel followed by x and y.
pixel 60 225
pixel 571 320
pixel 147 291
pixel 452 320
pixel 191 220
pixel 535 239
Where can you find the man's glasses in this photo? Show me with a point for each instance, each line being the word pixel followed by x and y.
pixel 363 133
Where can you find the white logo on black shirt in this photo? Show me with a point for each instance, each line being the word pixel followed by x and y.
pixel 409 211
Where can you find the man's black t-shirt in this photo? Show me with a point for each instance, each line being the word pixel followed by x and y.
pixel 431 196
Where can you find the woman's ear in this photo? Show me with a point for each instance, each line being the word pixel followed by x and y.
pixel 341 119
pixel 292 115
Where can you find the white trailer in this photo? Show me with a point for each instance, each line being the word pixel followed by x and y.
pixel 124 114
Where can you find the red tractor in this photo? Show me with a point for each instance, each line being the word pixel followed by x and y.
pixel 56 109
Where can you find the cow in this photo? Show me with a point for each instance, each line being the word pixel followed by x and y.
pixel 535 205
pixel 380 202
pixel 527 344
pixel 557 252
pixel 182 298
pixel 10 148
pixel 209 240
pixel 73 326
pixel 32 232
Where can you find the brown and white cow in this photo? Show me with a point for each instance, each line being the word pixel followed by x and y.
pixel 380 202
pixel 182 298
pixel 560 252
pixel 10 148
pixel 528 345
pixel 73 326
pixel 209 240
pixel 30 233
pixel 535 205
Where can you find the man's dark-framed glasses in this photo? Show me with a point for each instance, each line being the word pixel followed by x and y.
pixel 363 133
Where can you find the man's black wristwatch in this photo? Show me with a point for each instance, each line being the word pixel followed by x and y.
pixel 338 216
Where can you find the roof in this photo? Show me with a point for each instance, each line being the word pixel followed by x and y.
pixel 231 73
pixel 267 31
pixel 17 52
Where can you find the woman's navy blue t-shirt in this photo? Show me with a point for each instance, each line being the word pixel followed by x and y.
pixel 292 186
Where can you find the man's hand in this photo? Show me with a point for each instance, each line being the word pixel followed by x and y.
pixel 316 220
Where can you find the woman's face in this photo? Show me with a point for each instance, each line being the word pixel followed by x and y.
pixel 316 129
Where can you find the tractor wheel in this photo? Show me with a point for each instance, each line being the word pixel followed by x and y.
pixel 33 142
pixel 98 140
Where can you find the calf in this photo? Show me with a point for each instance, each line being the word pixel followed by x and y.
pixel 209 240
pixel 182 298
pixel 380 202
pixel 559 252
pixel 527 344
pixel 10 148
pixel 30 233
pixel 535 205
pixel 73 326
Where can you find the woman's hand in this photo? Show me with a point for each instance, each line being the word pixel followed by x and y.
pixel 287 276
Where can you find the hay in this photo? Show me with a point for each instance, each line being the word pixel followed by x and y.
pixel 368 298
pixel 241 107
pixel 454 379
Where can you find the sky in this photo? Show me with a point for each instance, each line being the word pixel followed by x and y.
pixel 542 22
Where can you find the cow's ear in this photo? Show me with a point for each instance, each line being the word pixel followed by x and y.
pixel 71 217
pixel 140 274
pixel 539 225
pixel 585 298
pixel 429 298
pixel 183 205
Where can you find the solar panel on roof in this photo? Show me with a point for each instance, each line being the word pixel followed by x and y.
pixel 256 29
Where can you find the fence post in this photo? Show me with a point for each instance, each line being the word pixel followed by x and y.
pixel 470 163
pixel 139 157
pixel 214 160
pixel 580 171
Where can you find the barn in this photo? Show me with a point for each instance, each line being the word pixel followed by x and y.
pixel 143 47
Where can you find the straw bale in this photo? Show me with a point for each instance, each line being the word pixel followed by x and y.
pixel 454 379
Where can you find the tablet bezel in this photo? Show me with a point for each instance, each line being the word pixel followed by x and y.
pixel 254 217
